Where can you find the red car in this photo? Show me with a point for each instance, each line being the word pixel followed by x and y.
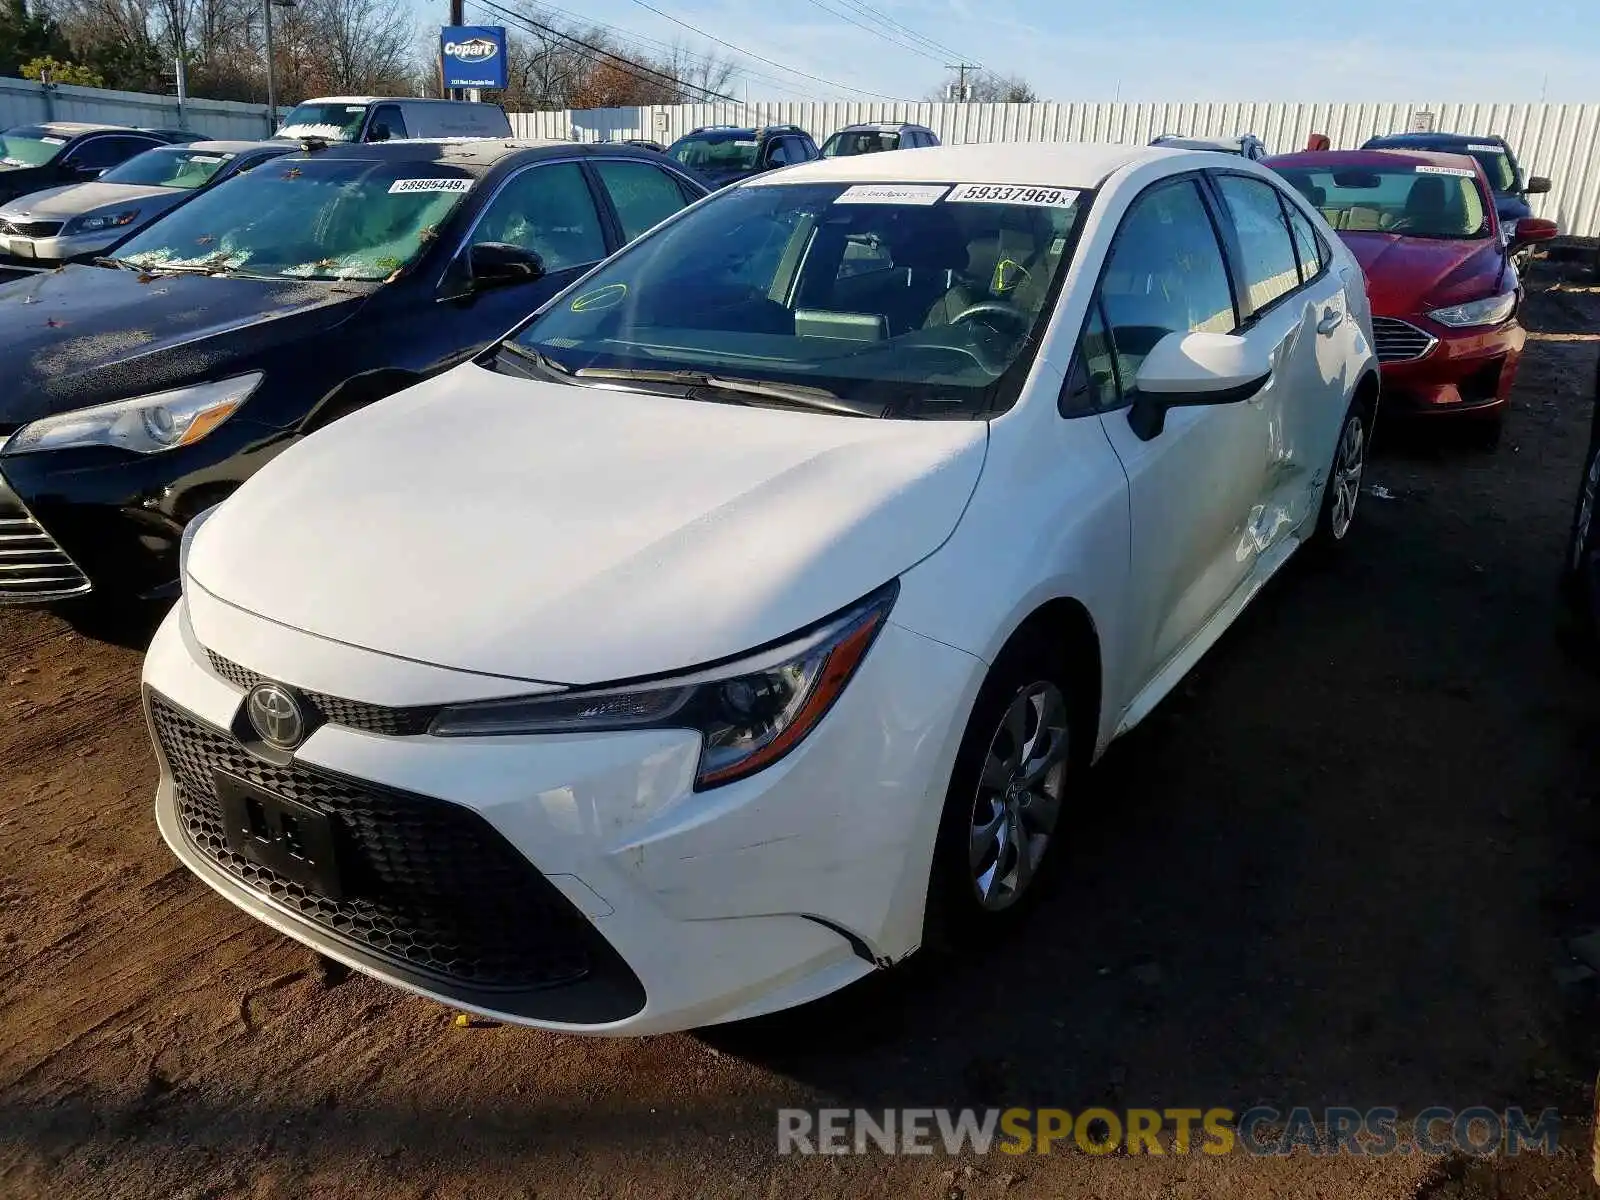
pixel 1444 292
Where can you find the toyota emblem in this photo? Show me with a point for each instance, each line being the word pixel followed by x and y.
pixel 275 714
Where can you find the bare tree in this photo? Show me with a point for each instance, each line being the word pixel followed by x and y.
pixel 988 88
pixel 697 73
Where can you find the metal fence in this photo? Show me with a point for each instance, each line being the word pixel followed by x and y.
pixel 1561 141
pixel 23 102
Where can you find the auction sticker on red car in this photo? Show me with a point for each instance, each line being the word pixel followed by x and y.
pixel 1010 193
pixel 1459 172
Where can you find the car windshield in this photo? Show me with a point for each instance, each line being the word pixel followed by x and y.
pixel 336 122
pixel 1417 201
pixel 307 218
pixel 859 141
pixel 1493 158
pixel 29 146
pixel 170 166
pixel 717 151
pixel 911 300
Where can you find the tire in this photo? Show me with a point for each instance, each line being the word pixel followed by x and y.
pixel 1580 573
pixel 985 876
pixel 1341 495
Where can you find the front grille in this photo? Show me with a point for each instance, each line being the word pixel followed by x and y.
pixel 1399 341
pixel 32 229
pixel 32 566
pixel 334 710
pixel 428 885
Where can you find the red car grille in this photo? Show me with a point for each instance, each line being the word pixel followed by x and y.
pixel 1399 341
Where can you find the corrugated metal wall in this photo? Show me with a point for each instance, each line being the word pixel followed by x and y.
pixel 22 102
pixel 1561 141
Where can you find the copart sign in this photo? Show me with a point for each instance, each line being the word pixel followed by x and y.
pixel 473 56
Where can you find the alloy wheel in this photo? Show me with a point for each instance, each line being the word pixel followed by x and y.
pixel 1348 462
pixel 1019 795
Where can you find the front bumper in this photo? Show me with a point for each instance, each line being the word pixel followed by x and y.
pixel 1466 372
pixel 687 908
pixel 51 251
pixel 119 518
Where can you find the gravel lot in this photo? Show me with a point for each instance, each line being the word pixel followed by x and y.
pixel 1338 868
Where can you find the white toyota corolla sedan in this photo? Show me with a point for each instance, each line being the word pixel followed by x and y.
pixel 746 619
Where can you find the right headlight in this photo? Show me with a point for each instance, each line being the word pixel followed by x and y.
pixel 749 713
pixel 145 424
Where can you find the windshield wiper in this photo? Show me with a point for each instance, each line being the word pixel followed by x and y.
pixel 797 395
pixel 544 365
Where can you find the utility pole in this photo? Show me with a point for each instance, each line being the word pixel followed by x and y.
pixel 961 68
pixel 457 17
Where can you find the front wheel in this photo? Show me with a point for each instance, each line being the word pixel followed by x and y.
pixel 1580 575
pixel 1027 744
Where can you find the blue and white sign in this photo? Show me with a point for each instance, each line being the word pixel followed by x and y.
pixel 474 56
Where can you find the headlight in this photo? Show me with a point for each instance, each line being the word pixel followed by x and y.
pixel 105 221
pixel 189 530
pixel 750 713
pixel 1491 310
pixel 145 424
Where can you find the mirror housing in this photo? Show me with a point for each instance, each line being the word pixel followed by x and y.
pixel 1537 185
pixel 500 264
pixel 1533 229
pixel 1185 369
pixel 87 172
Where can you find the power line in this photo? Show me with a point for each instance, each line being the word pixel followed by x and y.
pixel 627 65
pixel 759 58
pixel 861 6
pixel 845 16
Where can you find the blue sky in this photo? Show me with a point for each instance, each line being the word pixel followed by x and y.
pixel 1158 50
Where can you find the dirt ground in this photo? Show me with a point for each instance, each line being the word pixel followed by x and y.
pixel 1340 867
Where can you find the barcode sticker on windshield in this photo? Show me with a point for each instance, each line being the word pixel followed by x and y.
pixel 1483 146
pixel 53 141
pixel 206 158
pixel 892 193
pixel 1459 172
pixel 429 185
pixel 1006 193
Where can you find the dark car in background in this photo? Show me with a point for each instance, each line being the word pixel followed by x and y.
pixel 874 137
pixel 146 388
pixel 57 152
pixel 81 220
pixel 1510 186
pixel 1445 293
pixel 724 154
pixel 1580 572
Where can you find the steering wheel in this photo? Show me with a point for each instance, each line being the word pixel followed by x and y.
pixel 995 308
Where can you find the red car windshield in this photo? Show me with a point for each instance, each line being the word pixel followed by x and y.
pixel 1417 200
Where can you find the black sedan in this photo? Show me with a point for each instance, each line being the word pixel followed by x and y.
pixel 58 152
pixel 147 387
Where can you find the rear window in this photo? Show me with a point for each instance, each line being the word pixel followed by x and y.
pixel 859 141
pixel 717 152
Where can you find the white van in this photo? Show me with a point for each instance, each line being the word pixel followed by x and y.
pixel 387 118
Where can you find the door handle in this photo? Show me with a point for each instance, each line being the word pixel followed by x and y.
pixel 1331 319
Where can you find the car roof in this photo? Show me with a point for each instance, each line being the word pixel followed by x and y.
pixel 1374 158
pixel 1431 140
pixel 885 126
pixel 1059 164
pixel 345 99
pixel 71 128
pixel 476 154
pixel 234 147
pixel 1236 142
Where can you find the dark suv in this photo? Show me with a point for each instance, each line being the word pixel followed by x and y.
pixel 724 154
pixel 1506 178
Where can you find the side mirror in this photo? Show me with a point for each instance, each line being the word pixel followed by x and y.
pixel 1537 185
pixel 499 264
pixel 1185 369
pixel 83 172
pixel 379 133
pixel 1533 229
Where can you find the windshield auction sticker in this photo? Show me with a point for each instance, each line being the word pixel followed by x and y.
pixel 1483 147
pixel 1459 172
pixel 1005 193
pixel 429 185
pixel 892 193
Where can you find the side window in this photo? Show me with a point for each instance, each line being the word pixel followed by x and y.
pixel 550 211
pixel 1165 274
pixel 778 152
pixel 808 150
pixel 1270 269
pixel 100 153
pixel 1311 250
pixel 388 124
pixel 1092 385
pixel 642 195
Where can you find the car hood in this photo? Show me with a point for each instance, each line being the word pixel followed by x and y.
pixel 565 534
pixel 83 335
pixel 19 181
pixel 78 198
pixel 1408 275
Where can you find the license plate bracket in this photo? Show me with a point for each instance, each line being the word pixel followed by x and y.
pixel 280 834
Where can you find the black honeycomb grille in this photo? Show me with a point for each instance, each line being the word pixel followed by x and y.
pixel 428 884
pixel 352 714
